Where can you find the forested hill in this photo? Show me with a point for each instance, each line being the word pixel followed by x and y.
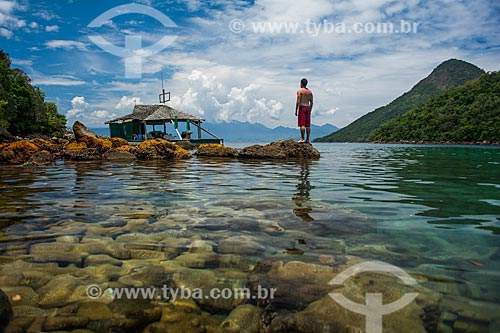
pixel 470 113
pixel 449 74
pixel 23 110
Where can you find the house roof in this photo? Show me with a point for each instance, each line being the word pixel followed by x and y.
pixel 156 112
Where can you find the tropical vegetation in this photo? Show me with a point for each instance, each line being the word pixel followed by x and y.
pixel 23 110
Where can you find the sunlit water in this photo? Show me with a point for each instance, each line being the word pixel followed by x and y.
pixel 433 211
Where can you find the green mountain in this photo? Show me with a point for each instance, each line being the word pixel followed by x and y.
pixel 470 113
pixel 449 74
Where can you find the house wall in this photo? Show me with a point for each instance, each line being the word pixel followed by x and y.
pixel 126 130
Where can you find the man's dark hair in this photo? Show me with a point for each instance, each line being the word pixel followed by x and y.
pixel 303 82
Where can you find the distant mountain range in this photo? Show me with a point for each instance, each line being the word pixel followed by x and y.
pixel 246 132
pixel 448 75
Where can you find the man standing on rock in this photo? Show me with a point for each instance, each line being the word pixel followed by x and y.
pixel 303 108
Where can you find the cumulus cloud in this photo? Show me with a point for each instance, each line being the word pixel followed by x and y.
pixel 102 116
pixel 9 22
pixel 52 28
pixel 78 106
pixel 127 103
pixel 65 44
pixel 6 33
pixel 209 97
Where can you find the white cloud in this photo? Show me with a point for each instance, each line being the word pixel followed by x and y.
pixel 22 62
pixel 45 14
pixel 5 33
pixel 253 77
pixel 52 28
pixel 54 80
pixel 8 20
pixel 7 6
pixel 93 113
pixel 127 103
pixel 78 106
pixel 65 44
pixel 102 116
pixel 33 25
pixel 208 97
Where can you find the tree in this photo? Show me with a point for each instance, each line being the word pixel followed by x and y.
pixel 23 109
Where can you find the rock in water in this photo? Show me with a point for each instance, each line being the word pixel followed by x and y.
pixel 282 150
pixel 118 155
pixel 215 150
pixel 5 311
pixel 243 319
pixel 160 149
pixel 82 134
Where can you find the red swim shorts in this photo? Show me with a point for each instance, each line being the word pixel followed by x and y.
pixel 304 116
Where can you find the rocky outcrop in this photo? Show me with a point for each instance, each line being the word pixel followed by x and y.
pixel 118 142
pixel 80 152
pixel 281 150
pixel 90 147
pixel 24 151
pixel 82 134
pixel 160 149
pixel 215 150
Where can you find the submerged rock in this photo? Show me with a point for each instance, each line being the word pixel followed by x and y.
pixel 243 319
pixel 63 323
pixel 240 245
pixel 282 150
pixel 216 150
pixel 58 291
pixel 5 311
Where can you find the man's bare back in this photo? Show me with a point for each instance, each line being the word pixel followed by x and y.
pixel 304 96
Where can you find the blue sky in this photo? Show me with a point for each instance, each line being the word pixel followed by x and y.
pixel 215 70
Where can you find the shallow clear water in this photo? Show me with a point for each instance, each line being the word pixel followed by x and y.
pixel 431 210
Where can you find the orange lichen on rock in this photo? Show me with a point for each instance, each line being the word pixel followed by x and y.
pixel 127 148
pixel 160 149
pixel 78 151
pixel 118 142
pixel 45 145
pixel 18 152
pixel 76 145
pixel 102 145
pixel 216 150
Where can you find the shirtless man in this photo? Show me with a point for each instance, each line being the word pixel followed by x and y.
pixel 303 108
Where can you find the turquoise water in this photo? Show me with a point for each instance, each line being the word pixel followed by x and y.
pixel 434 211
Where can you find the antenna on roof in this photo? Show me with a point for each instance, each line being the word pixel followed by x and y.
pixel 164 96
